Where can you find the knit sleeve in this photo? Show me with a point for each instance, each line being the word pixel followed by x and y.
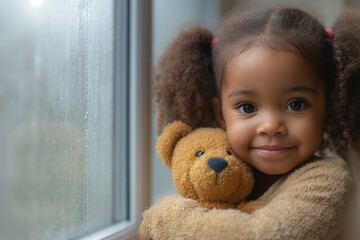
pixel 307 205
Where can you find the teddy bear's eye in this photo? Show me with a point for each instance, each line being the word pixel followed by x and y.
pixel 199 153
pixel 228 152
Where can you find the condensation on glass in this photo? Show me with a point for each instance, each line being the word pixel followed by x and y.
pixel 56 121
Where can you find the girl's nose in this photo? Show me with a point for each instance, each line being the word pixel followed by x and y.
pixel 271 125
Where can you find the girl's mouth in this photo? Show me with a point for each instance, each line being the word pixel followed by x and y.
pixel 272 151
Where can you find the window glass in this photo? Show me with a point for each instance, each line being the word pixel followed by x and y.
pixel 56 121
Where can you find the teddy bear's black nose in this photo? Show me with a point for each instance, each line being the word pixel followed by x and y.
pixel 217 164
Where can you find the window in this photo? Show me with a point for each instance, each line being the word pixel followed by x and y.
pixel 74 116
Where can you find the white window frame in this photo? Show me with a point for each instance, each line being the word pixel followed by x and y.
pixel 139 121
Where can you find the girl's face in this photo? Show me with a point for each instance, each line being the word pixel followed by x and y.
pixel 273 109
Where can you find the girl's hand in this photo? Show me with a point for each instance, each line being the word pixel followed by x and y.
pixel 142 234
pixel 251 206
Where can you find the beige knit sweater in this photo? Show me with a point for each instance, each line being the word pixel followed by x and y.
pixel 306 204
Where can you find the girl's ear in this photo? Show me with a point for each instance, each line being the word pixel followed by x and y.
pixel 218 113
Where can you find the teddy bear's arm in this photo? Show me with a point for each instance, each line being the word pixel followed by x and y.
pixel 306 206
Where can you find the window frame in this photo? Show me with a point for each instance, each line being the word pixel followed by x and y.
pixel 135 66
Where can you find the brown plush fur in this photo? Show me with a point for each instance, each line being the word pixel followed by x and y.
pixel 186 81
pixel 193 177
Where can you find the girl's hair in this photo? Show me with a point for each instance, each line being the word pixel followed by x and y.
pixel 190 72
pixel 286 29
pixel 345 129
pixel 185 84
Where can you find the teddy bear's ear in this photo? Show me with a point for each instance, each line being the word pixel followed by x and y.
pixel 169 138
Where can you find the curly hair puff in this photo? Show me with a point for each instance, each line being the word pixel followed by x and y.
pixel 345 132
pixel 184 83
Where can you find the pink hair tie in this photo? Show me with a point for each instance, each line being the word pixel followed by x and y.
pixel 214 42
pixel 330 33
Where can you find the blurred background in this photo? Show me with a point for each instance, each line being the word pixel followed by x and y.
pixel 72 76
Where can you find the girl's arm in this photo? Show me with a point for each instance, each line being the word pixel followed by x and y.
pixel 307 205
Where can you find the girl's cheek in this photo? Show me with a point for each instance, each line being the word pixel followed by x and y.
pixel 240 136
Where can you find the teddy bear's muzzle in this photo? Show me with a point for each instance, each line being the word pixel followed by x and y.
pixel 217 164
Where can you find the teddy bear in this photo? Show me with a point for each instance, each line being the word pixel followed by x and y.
pixel 204 167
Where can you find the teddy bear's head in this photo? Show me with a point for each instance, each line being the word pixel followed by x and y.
pixel 204 166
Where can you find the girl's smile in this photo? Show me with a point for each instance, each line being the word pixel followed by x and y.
pixel 273 109
pixel 272 152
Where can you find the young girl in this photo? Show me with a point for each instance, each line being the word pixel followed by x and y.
pixel 270 79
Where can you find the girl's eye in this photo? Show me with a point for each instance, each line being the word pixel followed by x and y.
pixel 199 153
pixel 296 105
pixel 246 108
